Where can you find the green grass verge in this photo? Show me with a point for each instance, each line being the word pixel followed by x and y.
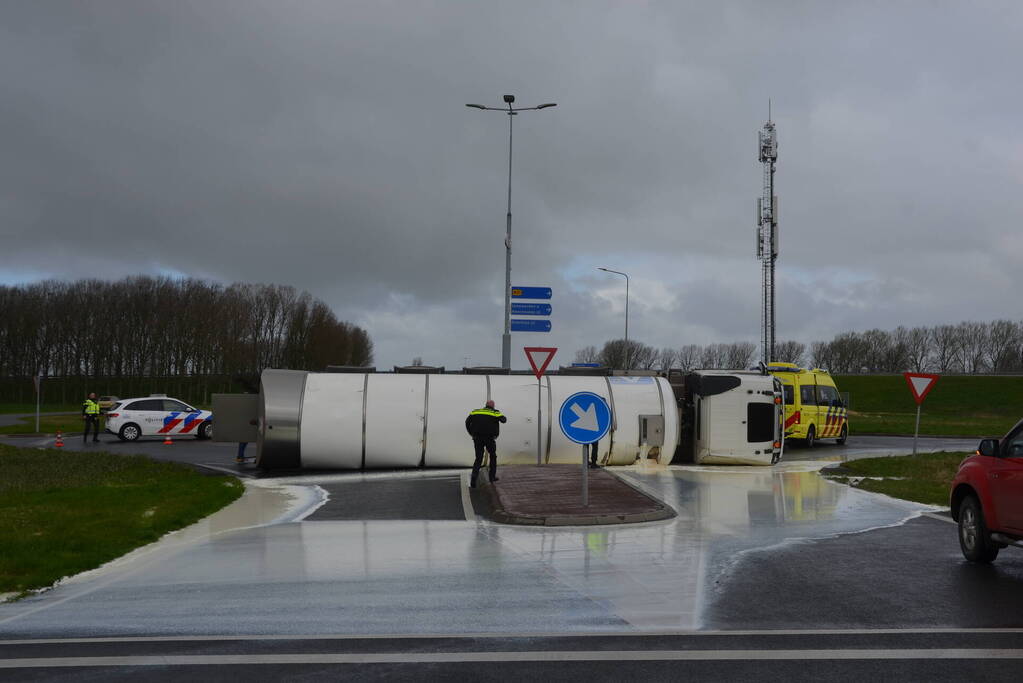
pixel 924 478
pixel 63 513
pixel 48 424
pixel 958 405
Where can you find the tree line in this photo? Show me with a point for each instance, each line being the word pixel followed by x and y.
pixel 617 353
pixel 967 347
pixel 162 327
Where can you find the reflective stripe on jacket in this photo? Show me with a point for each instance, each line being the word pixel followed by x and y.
pixel 484 422
pixel 90 407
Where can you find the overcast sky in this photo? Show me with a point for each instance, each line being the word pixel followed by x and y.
pixel 326 145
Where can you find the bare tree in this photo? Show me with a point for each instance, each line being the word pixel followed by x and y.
pixel 1002 345
pixel 972 338
pixel 689 356
pixel 946 346
pixel 919 342
pixel 739 355
pixel 714 356
pixel 666 359
pixel 789 352
pixel 822 355
pixel 631 355
pixel 587 354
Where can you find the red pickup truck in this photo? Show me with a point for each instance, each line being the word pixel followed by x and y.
pixel 987 497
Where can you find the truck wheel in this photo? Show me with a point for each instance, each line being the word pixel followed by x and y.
pixel 974 539
pixel 843 436
pixel 811 437
pixel 205 430
pixel 129 432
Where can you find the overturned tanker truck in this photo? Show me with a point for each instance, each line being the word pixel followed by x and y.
pixel 368 420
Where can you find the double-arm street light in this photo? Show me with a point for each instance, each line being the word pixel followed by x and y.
pixel 510 111
pixel 628 351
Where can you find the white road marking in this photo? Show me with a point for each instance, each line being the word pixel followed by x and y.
pixel 227 470
pixel 470 514
pixel 537 634
pixel 942 518
pixel 536 656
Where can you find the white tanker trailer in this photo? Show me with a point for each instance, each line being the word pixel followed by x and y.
pixel 367 420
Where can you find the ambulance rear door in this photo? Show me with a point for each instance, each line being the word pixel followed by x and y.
pixel 809 410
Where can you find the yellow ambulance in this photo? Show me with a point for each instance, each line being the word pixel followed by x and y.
pixel 813 407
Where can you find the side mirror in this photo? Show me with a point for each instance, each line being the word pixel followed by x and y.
pixel 988 447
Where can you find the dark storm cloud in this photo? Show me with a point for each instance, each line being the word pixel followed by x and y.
pixel 326 145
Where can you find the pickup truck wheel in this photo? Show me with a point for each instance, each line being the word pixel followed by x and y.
pixel 811 437
pixel 843 436
pixel 974 538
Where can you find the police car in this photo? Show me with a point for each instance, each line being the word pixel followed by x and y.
pixel 158 415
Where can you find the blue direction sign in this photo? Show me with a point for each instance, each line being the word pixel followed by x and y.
pixel 530 325
pixel 530 309
pixel 531 292
pixel 584 417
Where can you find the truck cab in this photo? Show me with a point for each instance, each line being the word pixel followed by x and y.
pixel 813 407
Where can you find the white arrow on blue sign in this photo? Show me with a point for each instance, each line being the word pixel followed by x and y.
pixel 584 417
pixel 530 309
pixel 531 292
pixel 518 325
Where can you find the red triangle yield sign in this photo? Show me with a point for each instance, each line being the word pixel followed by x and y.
pixel 536 353
pixel 920 383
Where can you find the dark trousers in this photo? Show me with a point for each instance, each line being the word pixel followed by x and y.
pixel 593 453
pixel 93 421
pixel 480 443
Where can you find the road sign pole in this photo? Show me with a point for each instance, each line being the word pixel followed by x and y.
pixel 917 432
pixel 586 471
pixel 538 392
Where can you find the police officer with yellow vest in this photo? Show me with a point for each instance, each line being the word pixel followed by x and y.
pixel 484 425
pixel 90 412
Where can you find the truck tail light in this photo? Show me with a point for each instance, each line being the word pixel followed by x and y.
pixel 776 444
pixel 777 400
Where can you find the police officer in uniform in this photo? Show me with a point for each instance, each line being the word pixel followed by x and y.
pixel 484 425
pixel 90 412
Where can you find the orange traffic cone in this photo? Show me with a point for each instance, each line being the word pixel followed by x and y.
pixel 167 440
pixel 59 443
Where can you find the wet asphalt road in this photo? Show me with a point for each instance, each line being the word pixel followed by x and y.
pixel 791 587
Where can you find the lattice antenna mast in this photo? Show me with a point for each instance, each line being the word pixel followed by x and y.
pixel 767 236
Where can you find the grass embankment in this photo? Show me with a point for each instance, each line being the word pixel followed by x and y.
pixel 924 478
pixel 958 405
pixel 49 424
pixel 63 513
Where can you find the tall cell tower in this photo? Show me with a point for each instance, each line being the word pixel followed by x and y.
pixel 767 235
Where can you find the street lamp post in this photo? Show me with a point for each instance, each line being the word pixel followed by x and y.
pixel 628 351
pixel 510 111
